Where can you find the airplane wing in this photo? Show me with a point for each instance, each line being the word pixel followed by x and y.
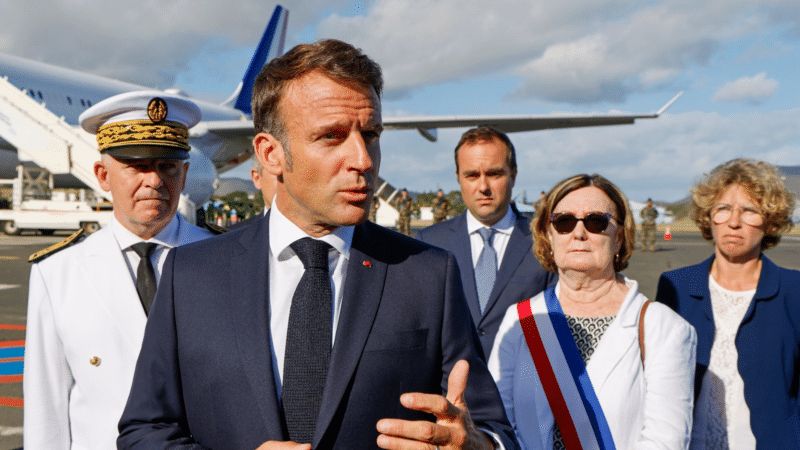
pixel 427 126
pixel 242 132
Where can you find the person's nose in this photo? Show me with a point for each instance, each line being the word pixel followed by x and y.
pixel 736 218
pixel 153 179
pixel 580 232
pixel 360 157
pixel 483 185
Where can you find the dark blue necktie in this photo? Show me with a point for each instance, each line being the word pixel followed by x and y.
pixel 486 269
pixel 308 341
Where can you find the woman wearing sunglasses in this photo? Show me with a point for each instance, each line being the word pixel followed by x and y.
pixel 746 311
pixel 571 364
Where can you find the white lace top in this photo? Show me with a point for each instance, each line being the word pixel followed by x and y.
pixel 722 418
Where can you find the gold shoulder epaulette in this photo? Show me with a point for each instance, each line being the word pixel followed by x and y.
pixel 215 228
pixel 42 254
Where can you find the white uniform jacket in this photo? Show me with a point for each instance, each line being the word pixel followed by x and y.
pixel 650 410
pixel 85 329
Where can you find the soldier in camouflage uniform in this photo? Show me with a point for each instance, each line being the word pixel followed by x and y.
pixel 441 207
pixel 373 209
pixel 649 215
pixel 404 206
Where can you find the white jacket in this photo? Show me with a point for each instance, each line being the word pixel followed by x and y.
pixel 644 411
pixel 82 304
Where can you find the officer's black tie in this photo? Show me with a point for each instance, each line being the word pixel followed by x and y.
pixel 145 276
pixel 308 341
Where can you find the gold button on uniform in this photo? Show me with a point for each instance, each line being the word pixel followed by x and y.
pixel 95 361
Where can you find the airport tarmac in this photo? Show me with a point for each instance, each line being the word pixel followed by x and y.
pixel 682 250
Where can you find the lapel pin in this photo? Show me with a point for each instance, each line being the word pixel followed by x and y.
pixel 95 361
pixel 367 264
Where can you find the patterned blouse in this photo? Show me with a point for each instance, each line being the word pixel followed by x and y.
pixel 587 332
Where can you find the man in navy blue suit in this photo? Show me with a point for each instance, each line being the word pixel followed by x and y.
pixel 399 363
pixel 498 270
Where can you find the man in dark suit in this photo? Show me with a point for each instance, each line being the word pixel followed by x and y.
pixel 234 358
pixel 498 270
pixel 267 184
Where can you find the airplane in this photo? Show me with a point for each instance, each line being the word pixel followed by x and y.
pixel 223 139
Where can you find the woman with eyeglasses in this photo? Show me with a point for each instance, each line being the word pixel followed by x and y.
pixel 585 364
pixel 746 311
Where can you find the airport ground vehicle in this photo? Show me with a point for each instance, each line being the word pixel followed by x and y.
pixel 36 206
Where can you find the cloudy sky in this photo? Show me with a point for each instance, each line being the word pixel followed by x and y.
pixel 736 60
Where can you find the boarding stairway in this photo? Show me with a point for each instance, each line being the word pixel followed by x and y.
pixel 46 139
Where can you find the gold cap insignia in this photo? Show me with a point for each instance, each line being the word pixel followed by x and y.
pixel 95 361
pixel 157 110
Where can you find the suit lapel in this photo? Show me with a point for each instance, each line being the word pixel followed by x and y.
pixel 461 249
pixel 249 278
pixel 363 287
pixel 515 252
pixel 107 272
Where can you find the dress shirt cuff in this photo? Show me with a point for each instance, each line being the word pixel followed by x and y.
pixel 498 444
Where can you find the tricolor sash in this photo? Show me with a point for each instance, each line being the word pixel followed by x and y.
pixel 563 376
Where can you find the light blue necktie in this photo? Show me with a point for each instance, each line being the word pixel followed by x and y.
pixel 486 269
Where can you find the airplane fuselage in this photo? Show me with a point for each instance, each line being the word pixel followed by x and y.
pixel 68 93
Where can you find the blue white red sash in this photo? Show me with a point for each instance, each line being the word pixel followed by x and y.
pixel 563 376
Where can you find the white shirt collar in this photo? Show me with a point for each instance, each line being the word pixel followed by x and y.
pixel 167 237
pixel 282 233
pixel 504 225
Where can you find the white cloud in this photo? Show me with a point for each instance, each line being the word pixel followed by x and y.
pixel 752 90
pixel 581 51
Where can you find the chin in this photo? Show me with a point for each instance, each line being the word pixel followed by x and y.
pixel 352 218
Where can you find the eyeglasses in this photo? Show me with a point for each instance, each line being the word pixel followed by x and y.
pixel 594 222
pixel 748 214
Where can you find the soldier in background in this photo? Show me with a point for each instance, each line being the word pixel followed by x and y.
pixel 404 206
pixel 373 209
pixel 441 207
pixel 649 215
pixel 538 205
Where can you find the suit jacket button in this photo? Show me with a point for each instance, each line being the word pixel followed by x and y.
pixel 481 333
pixel 95 361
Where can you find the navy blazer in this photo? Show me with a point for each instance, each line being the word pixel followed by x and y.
pixel 204 378
pixel 519 278
pixel 768 342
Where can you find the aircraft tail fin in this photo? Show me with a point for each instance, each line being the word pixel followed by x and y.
pixel 270 46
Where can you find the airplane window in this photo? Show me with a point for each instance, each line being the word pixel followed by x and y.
pixel 83 103
pixel 89 102
pixel 69 100
pixel 32 94
pixel 40 95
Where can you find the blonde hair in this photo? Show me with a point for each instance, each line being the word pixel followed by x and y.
pixel 542 247
pixel 764 185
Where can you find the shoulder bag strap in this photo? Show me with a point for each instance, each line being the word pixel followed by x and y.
pixel 641 329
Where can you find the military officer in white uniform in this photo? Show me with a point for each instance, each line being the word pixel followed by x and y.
pixel 89 298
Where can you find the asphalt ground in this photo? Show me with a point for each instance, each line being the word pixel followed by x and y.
pixel 645 267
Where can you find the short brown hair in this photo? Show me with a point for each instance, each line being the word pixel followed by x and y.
pixel 488 134
pixel 764 185
pixel 542 246
pixel 335 59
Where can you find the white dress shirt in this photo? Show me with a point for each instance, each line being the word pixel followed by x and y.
pixel 285 271
pixel 166 239
pixel 502 228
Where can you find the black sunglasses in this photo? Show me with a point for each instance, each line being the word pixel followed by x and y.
pixel 594 222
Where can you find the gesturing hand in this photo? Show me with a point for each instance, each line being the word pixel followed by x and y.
pixel 454 429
